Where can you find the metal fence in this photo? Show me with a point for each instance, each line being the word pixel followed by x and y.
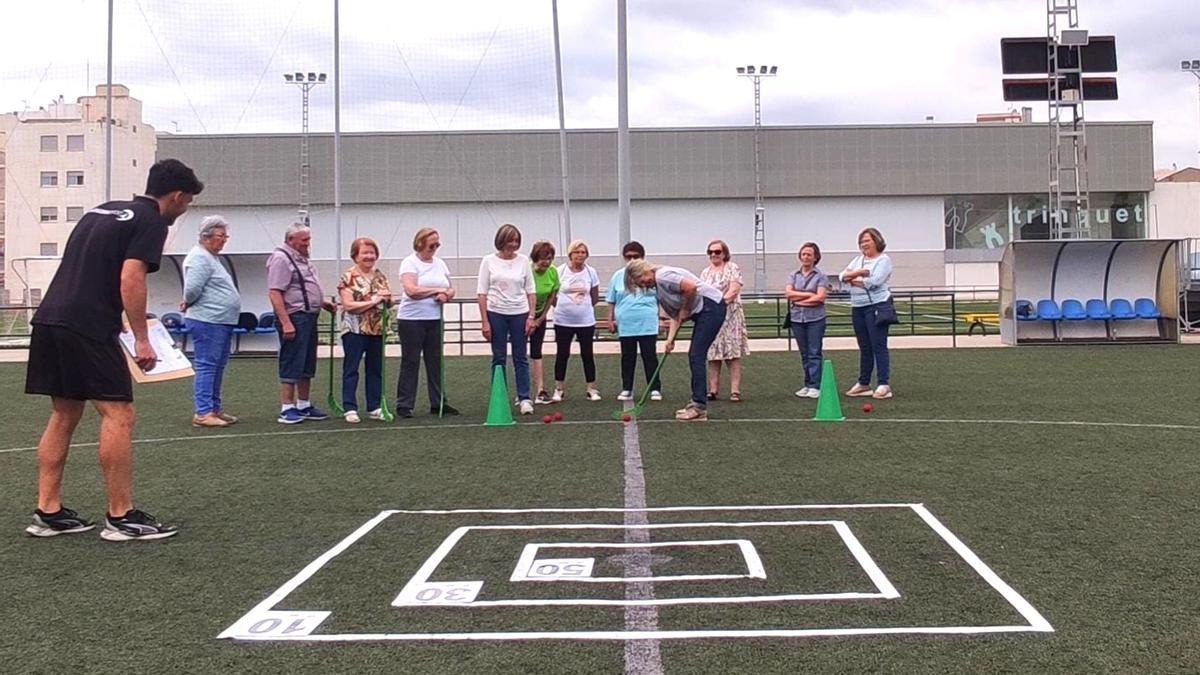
pixel 921 312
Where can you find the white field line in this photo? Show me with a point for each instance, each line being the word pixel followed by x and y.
pixel 642 657
pixel 218 436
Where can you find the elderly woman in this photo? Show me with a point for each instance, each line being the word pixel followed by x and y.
pixel 731 343
pixel 868 276
pixel 575 319
pixel 545 283
pixel 425 279
pixel 634 318
pixel 506 296
pixel 683 296
pixel 806 291
pixel 211 304
pixel 364 292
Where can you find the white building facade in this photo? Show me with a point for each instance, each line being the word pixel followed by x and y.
pixel 54 171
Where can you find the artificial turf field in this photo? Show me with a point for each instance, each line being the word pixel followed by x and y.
pixel 1071 473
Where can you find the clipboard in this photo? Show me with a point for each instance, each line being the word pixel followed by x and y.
pixel 172 364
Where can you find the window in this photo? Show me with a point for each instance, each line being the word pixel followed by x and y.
pixel 49 179
pixel 74 179
pixel 74 143
pixel 135 162
pixel 74 213
pixel 49 214
pixel 49 249
pixel 49 143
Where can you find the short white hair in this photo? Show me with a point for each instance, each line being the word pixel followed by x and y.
pixel 211 224
pixel 294 229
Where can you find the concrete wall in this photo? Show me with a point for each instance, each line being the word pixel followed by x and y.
pixel 1174 211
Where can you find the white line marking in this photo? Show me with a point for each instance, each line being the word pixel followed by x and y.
pixel 754 566
pixel 642 656
pixel 634 536
pixel 219 436
pixel 886 589
pixel 1036 621
pixel 636 636
pixel 312 568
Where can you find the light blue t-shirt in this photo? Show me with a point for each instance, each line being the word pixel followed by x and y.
pixel 636 313
pixel 876 282
pixel 208 289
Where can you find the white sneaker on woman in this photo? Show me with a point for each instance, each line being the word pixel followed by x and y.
pixel 526 407
pixel 803 393
pixel 557 396
pixel 593 395
pixel 625 395
pixel 656 395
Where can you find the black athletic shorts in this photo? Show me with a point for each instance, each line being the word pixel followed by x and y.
pixel 65 364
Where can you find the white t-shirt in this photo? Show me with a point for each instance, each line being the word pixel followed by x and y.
pixel 506 283
pixel 574 308
pixel 432 274
pixel 669 286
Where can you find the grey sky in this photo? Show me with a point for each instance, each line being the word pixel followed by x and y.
pixel 216 66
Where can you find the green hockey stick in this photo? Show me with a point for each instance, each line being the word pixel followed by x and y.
pixel 384 409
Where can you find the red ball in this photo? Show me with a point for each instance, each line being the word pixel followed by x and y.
pixel 867 407
pixel 547 419
pixel 625 418
pixel 558 416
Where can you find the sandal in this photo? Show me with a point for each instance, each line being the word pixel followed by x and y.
pixel 735 397
pixel 712 395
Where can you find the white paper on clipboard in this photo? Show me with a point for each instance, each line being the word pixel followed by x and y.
pixel 171 361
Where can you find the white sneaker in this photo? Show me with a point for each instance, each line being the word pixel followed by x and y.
pixel 526 407
pixel 656 395
pixel 351 416
pixel 625 395
pixel 814 393
pixel 593 395
pixel 557 396
pixel 376 414
pixel 803 393
pixel 882 391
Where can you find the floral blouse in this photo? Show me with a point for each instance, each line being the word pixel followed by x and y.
pixel 363 287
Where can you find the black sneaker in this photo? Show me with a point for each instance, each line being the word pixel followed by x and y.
pixel 135 525
pixel 403 413
pixel 63 521
pixel 447 409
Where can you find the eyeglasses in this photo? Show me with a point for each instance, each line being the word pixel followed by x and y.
pixel 716 251
pixel 632 256
pixel 434 246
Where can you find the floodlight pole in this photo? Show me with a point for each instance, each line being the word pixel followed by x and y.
pixel 1195 72
pixel 624 172
pixel 108 125
pixel 562 128
pixel 760 244
pixel 305 85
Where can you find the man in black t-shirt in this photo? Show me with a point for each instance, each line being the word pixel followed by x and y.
pixel 75 357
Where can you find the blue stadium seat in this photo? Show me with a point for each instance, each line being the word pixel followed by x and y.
pixel 266 323
pixel 1121 309
pixel 1096 309
pixel 1047 310
pixel 1073 310
pixel 1146 309
pixel 1025 311
pixel 247 322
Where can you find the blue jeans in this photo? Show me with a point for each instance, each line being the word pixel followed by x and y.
pixel 354 346
pixel 872 345
pixel 509 329
pixel 705 325
pixel 210 341
pixel 808 338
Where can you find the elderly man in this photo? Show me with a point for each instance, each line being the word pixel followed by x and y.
pixel 213 304
pixel 74 355
pixel 295 292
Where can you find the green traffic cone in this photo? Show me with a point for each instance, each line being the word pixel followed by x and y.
pixel 499 413
pixel 829 407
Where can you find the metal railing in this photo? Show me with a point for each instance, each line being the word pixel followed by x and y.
pixel 921 312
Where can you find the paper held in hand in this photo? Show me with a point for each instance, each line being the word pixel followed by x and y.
pixel 172 364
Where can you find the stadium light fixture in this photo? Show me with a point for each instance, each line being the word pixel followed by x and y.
pixel 312 77
pixel 741 70
pixel 321 78
pixel 288 76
